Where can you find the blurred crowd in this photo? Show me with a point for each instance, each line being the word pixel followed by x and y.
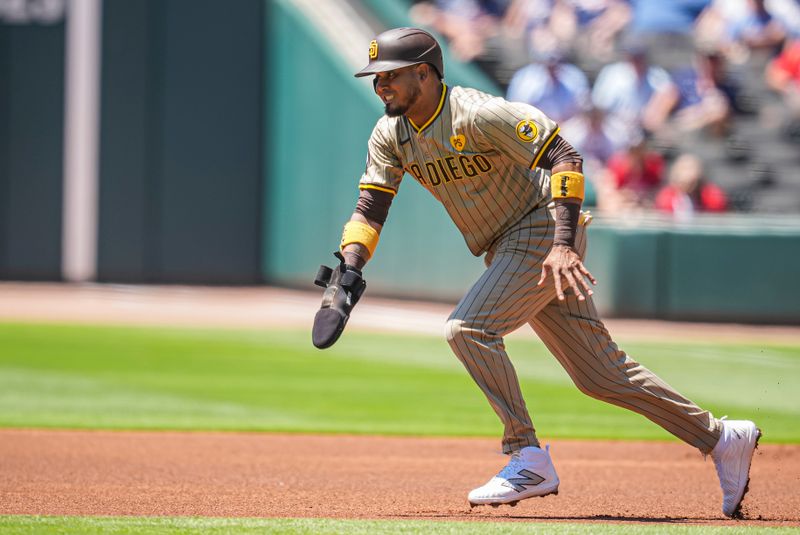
pixel 653 93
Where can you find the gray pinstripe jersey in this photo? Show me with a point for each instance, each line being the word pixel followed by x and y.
pixel 477 155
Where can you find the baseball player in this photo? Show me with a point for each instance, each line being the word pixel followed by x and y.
pixel 514 188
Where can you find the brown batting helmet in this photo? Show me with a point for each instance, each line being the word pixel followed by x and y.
pixel 402 47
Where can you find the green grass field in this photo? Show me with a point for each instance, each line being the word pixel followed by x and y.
pixel 201 379
pixel 164 378
pixel 30 525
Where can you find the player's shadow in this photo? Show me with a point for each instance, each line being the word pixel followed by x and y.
pixel 621 519
pixel 575 518
pixel 637 519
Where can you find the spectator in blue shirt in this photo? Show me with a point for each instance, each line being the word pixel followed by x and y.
pixel 759 30
pixel 666 16
pixel 559 89
pixel 666 27
pixel 626 89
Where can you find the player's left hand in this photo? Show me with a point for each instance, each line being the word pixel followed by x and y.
pixel 564 262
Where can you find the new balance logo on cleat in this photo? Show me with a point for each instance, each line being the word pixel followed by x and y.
pixel 528 479
pixel 529 473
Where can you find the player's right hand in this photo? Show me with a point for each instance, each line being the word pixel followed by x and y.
pixel 344 286
pixel 564 262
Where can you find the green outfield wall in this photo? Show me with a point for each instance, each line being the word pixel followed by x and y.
pixel 180 149
pixel 31 140
pixel 725 268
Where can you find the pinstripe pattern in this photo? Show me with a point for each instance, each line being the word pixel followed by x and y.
pixel 487 185
pixel 506 296
pixel 503 299
pixel 475 157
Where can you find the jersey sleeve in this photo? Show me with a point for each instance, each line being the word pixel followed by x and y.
pixel 519 130
pixel 384 170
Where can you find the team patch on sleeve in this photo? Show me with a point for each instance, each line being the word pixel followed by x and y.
pixel 527 130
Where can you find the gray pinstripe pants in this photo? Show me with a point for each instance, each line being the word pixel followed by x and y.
pixel 506 296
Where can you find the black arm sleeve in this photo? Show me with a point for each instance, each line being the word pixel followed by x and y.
pixel 559 151
pixel 567 217
pixel 374 205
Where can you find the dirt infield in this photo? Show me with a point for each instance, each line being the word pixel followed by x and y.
pixel 59 472
pixel 276 475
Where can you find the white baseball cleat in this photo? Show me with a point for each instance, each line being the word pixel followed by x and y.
pixel 732 456
pixel 528 474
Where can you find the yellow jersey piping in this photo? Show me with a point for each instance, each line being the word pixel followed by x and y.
pixel 435 114
pixel 379 188
pixel 544 147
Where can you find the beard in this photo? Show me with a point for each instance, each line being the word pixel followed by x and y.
pixel 396 109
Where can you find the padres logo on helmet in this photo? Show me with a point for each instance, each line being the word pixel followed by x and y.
pixel 402 47
pixel 527 131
